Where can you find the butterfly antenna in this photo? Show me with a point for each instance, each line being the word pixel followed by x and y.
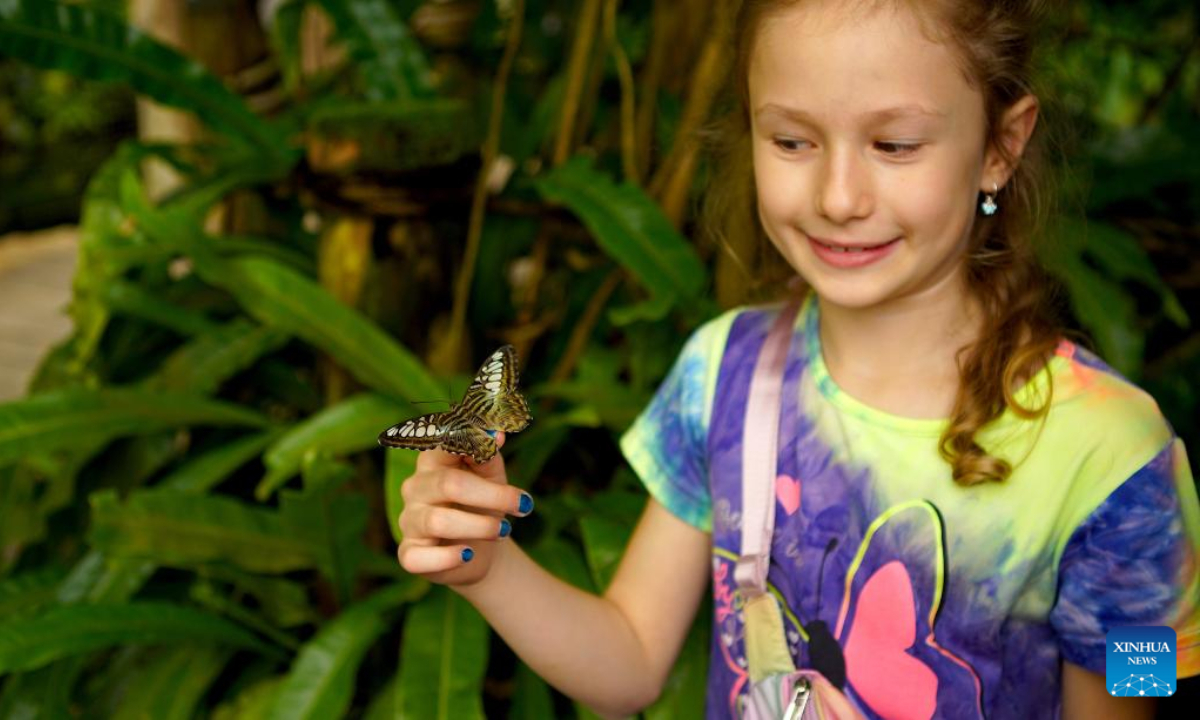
pixel 821 572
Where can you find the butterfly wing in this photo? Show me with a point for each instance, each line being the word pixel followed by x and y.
pixel 420 433
pixel 894 683
pixel 448 431
pixel 492 402
pixel 463 438
pixel 888 633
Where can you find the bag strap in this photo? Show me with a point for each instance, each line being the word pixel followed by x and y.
pixel 760 440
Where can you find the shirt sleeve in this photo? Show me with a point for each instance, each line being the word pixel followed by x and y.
pixel 1134 561
pixel 667 445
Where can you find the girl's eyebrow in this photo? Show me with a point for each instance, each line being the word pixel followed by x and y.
pixel 881 115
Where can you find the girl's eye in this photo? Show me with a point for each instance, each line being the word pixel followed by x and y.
pixel 898 149
pixel 788 144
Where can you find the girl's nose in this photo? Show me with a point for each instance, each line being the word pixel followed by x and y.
pixel 845 191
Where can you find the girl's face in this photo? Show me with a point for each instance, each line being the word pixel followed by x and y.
pixel 868 152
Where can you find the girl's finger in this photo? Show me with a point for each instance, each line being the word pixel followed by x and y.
pixel 464 488
pixel 444 523
pixel 423 559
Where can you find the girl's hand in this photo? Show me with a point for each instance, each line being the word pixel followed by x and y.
pixel 454 516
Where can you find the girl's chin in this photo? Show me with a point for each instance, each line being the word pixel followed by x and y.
pixel 855 294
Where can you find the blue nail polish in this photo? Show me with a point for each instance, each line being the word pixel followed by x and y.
pixel 526 506
pixel 467 554
pixel 505 528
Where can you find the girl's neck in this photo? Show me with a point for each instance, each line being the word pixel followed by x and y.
pixel 900 357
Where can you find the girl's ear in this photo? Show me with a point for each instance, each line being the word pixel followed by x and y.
pixel 1016 125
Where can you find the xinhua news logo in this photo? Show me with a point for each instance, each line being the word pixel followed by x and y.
pixel 1140 661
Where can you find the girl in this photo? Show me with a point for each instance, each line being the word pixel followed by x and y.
pixel 966 503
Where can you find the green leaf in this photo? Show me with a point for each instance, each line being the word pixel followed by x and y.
pixel 24 593
pixel 284 601
pixel 97 579
pixel 532 699
pixel 351 426
pixel 285 25
pixel 652 309
pixel 281 297
pixel 61 632
pixel 321 681
pixel 383 705
pixel 333 525
pixel 205 471
pixel 392 61
pixel 564 561
pixel 170 684
pixel 136 301
pixel 1123 258
pixel 443 657
pixel 399 464
pixel 42 693
pixel 107 247
pixel 97 46
pixel 252 703
pixel 604 541
pixel 232 245
pixel 1100 303
pixel 182 530
pixel 630 227
pixel 66 418
pixel 206 361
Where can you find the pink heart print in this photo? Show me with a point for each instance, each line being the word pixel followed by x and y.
pixel 787 490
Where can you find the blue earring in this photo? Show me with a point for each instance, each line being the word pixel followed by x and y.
pixel 988 206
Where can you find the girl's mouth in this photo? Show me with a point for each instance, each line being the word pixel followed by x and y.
pixel 850 255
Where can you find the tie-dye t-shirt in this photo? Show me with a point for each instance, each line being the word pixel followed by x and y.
pixel 919 597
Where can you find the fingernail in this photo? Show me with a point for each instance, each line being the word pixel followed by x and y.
pixel 526 505
pixel 505 528
pixel 467 554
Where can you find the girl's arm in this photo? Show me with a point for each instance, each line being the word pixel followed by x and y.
pixel 611 653
pixel 1085 696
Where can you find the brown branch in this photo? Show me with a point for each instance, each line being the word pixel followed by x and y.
pixel 577 69
pixel 673 181
pixel 583 328
pixel 491 144
pixel 1170 83
pixel 625 74
pixel 661 27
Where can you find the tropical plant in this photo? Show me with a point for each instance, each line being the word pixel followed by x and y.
pixel 194 514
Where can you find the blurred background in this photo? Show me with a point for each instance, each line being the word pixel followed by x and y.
pixel 238 239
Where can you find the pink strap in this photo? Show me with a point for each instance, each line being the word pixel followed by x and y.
pixel 760 440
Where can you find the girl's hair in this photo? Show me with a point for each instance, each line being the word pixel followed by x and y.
pixel 993 40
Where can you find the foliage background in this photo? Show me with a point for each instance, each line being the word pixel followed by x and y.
pixel 193 511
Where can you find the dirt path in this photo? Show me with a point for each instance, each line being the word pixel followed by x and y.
pixel 35 287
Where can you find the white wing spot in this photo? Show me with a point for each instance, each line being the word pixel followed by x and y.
pixel 433 430
pixel 421 431
pixel 493 385
pixel 392 431
pixel 406 431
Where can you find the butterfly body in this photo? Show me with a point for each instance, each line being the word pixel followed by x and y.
pixel 491 404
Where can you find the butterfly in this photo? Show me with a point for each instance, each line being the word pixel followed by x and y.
pixel 883 641
pixel 491 404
